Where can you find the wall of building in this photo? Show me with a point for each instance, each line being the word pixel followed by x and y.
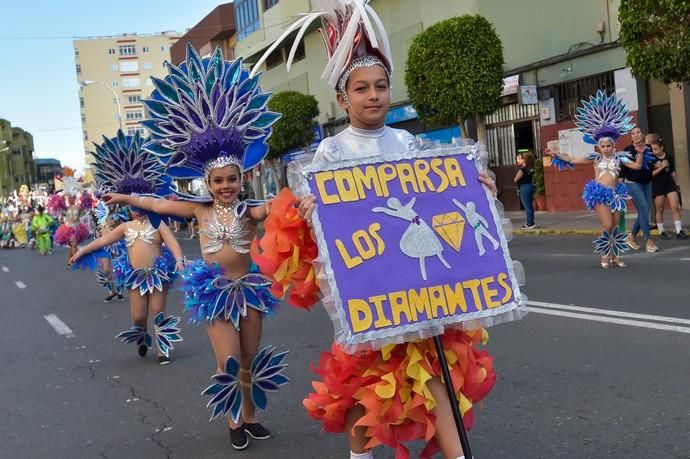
pixel 129 75
pixel 16 158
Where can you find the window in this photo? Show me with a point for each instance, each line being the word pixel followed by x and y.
pixel 83 118
pixel 246 17
pixel 131 82
pixel 149 82
pixel 86 135
pixel 269 3
pixel 113 67
pixel 76 52
pixel 568 95
pixel 131 115
pixel 134 130
pixel 115 84
pixel 134 99
pixel 164 48
pixel 144 49
pixel 78 69
pixel 274 59
pixel 147 66
pixel 128 50
pixel 129 66
pixel 81 102
pixel 111 51
pixel 299 52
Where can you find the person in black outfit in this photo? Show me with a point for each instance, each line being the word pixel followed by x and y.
pixel 523 180
pixel 639 183
pixel 664 188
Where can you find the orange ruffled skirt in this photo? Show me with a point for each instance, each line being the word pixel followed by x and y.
pixel 391 386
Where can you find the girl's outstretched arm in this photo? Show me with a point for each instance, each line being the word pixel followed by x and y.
pixel 184 209
pixel 110 238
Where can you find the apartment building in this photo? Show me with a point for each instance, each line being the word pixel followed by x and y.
pixel 16 158
pixel 114 74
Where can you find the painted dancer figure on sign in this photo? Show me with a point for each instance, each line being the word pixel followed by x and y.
pixel 419 240
pixel 478 224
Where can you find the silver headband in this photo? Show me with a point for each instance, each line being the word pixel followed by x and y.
pixel 220 162
pixel 358 63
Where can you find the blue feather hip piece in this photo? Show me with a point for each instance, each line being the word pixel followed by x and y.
pixel 595 194
pixel 210 295
pixel 146 280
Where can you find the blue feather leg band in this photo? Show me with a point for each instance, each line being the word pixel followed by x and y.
pixel 266 375
pixel 614 243
pixel 167 332
pixel 210 295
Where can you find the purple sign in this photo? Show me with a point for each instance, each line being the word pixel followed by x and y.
pixel 410 245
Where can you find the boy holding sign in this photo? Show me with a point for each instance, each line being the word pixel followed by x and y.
pixel 384 390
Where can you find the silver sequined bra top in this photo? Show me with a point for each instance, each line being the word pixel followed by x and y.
pixel 218 234
pixel 146 234
pixel 610 165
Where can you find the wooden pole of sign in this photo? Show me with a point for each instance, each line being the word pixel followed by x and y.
pixel 451 397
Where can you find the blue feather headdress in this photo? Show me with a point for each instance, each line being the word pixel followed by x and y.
pixel 123 166
pixel 603 117
pixel 208 113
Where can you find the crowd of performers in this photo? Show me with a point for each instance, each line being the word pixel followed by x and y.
pixel 209 120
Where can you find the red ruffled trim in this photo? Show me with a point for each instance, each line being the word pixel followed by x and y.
pixel 390 385
pixel 286 253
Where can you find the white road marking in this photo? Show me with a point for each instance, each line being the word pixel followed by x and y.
pixel 685 259
pixel 20 284
pixel 5 269
pixel 60 327
pixel 609 316
pixel 610 312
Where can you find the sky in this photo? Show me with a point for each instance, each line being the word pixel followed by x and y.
pixel 38 81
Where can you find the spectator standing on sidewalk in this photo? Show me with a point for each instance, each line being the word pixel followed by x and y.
pixel 523 180
pixel 664 187
pixel 639 183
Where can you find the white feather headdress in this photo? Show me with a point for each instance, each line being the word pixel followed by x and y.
pixel 347 28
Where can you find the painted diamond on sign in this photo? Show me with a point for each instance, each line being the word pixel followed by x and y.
pixel 450 227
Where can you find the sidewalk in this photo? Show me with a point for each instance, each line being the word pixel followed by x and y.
pixel 579 223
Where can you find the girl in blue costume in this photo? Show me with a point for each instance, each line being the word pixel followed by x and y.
pixel 210 121
pixel 603 119
pixel 145 268
pixel 104 273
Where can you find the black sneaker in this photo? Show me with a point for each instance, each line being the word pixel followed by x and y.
pixel 109 298
pixel 238 438
pixel 664 236
pixel 681 235
pixel 163 360
pixel 142 350
pixel 120 297
pixel 256 431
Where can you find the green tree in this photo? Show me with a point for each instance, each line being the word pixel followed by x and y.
pixel 296 127
pixel 656 37
pixel 455 70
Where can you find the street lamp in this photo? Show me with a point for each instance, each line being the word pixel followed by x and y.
pixel 86 83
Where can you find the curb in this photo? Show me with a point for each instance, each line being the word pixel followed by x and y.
pixel 556 232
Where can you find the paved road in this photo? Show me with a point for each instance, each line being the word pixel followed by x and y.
pixel 579 384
